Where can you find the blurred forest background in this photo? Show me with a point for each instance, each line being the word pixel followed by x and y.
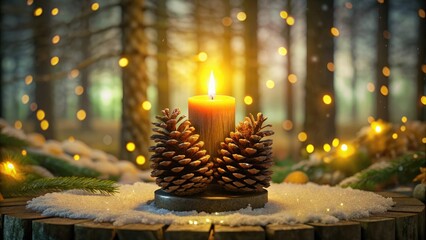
pixel 101 70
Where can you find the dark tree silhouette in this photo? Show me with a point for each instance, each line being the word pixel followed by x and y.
pixel 289 86
pixel 163 85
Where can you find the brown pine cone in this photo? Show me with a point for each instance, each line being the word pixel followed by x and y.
pixel 180 164
pixel 245 159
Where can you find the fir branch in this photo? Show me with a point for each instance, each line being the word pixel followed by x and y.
pixel 45 185
pixel 7 141
pixel 407 164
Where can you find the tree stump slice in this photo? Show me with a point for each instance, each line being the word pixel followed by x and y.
pixel 54 228
pixel 239 233
pixel 377 228
pixel 92 230
pixel 290 232
pixel 406 225
pixel 183 232
pixel 141 231
pixel 421 214
pixel 18 225
pixel 347 230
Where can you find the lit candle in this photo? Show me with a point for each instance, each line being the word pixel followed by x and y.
pixel 213 117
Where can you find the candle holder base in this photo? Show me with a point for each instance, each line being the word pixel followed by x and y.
pixel 212 200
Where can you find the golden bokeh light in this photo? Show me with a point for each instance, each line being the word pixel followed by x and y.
pixel 424 140
pixel 386 71
pixel 326 147
pixel 38 12
pixel 384 90
pixel 24 152
pixel 335 142
pixel 8 168
pixel 290 21
pixel 123 62
pixel 292 78
pixel 74 73
pixel 394 135
pixel 130 146
pixel 422 13
pixel 227 21
pixel 403 128
pixel 327 99
pixel 404 119
pixel 33 106
pixel 76 157
pixel 40 114
pixel 381 1
pixel 335 32
pixel 330 66
pixel 370 119
pixel 30 2
pixel 79 90
pixel 270 84
pixel 241 16
pixel 302 136
pixel 54 60
pixel 310 148
pixel 95 6
pixel 287 125
pixel 146 105
pixel 44 125
pixel 202 56
pixel 283 14
pixel 424 68
pixel 28 79
pixel 140 160
pixel 54 11
pixel 18 124
pixel 25 99
pixel 371 87
pixel 348 5
pixel 56 39
pixel 81 114
pixel 423 100
pixel 282 51
pixel 248 100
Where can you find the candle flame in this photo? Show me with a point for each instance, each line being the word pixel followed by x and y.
pixel 212 86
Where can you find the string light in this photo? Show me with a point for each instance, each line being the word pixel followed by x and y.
pixel 381 1
pixel 421 13
pixel 18 124
pixel 95 6
pixel 335 32
pixel 33 106
pixel 346 150
pixel 282 51
pixel 270 84
pixel 370 119
pixel 76 157
pixel 424 140
pixel 202 56
pixel 302 136
pixel 370 87
pixel 79 90
pixel 290 21
pixel 24 152
pixel 25 99
pixel 44 125
pixel 40 114
pixel 54 60
pixel 140 160
pixel 330 66
pixel 123 62
pixel 327 99
pixel 241 16
pixel 326 147
pixel 227 21
pixel 386 71
pixel 28 79
pixel 310 148
pixel 130 146
pixel 9 169
pixel 146 105
pixel 384 90
pixel 54 11
pixel 404 119
pixel 287 125
pixel 335 142
pixel 283 14
pixel 403 128
pixel 81 114
pixel 394 135
pixel 30 2
pixel 248 100
pixel 56 39
pixel 423 100
pixel 38 12
pixel 292 78
pixel 74 73
pixel 348 5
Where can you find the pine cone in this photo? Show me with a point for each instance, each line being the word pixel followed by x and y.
pixel 244 158
pixel 179 162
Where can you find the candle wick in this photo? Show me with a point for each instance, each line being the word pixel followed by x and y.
pixel 211 97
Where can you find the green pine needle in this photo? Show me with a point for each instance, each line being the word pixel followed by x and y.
pixel 45 185
pixel 7 141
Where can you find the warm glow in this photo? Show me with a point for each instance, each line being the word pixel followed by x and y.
pixel 283 14
pixel 395 135
pixel 290 21
pixel 18 124
pixel 346 150
pixel 270 84
pixel 248 100
pixel 140 160
pixel 386 71
pixel 30 2
pixel 424 140
pixel 212 86
pixel 302 136
pixel 370 87
pixel 282 51
pixel 44 125
pixel 423 100
pixel 95 6
pixel 81 114
pixel 202 56
pixel 40 114
pixel 344 147
pixel 404 119
pixel 33 106
pixel 241 16
pixel 71 138
pixel 38 11
pixel 123 62
pixel 348 5
pixel 310 148
pixel 334 31
pixel 146 105
pixel 327 99
pixel 422 13
pixel 377 127
pixel 330 67
pixel 28 79
pixel 370 119
pixel 384 90
pixel 227 21
pixel 25 98
pixel 74 73
pixel 335 142
pixel 424 68
pixel 24 152
pixel 292 78
pixel 76 157
pixel 327 147
pixel 381 1
pixel 403 128
pixel 54 60
pixel 79 90
pixel 287 125
pixel 56 39
pixel 130 146
pixel 9 169
pixel 55 11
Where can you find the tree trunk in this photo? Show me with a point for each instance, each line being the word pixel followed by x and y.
pixel 251 49
pixel 44 90
pixel 382 81
pixel 162 48
pixel 135 121
pixel 199 34
pixel 421 62
pixel 319 117
pixel 84 99
pixel 353 44
pixel 289 85
pixel 227 67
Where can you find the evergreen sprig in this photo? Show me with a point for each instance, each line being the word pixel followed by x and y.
pixel 7 142
pixel 405 168
pixel 45 185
